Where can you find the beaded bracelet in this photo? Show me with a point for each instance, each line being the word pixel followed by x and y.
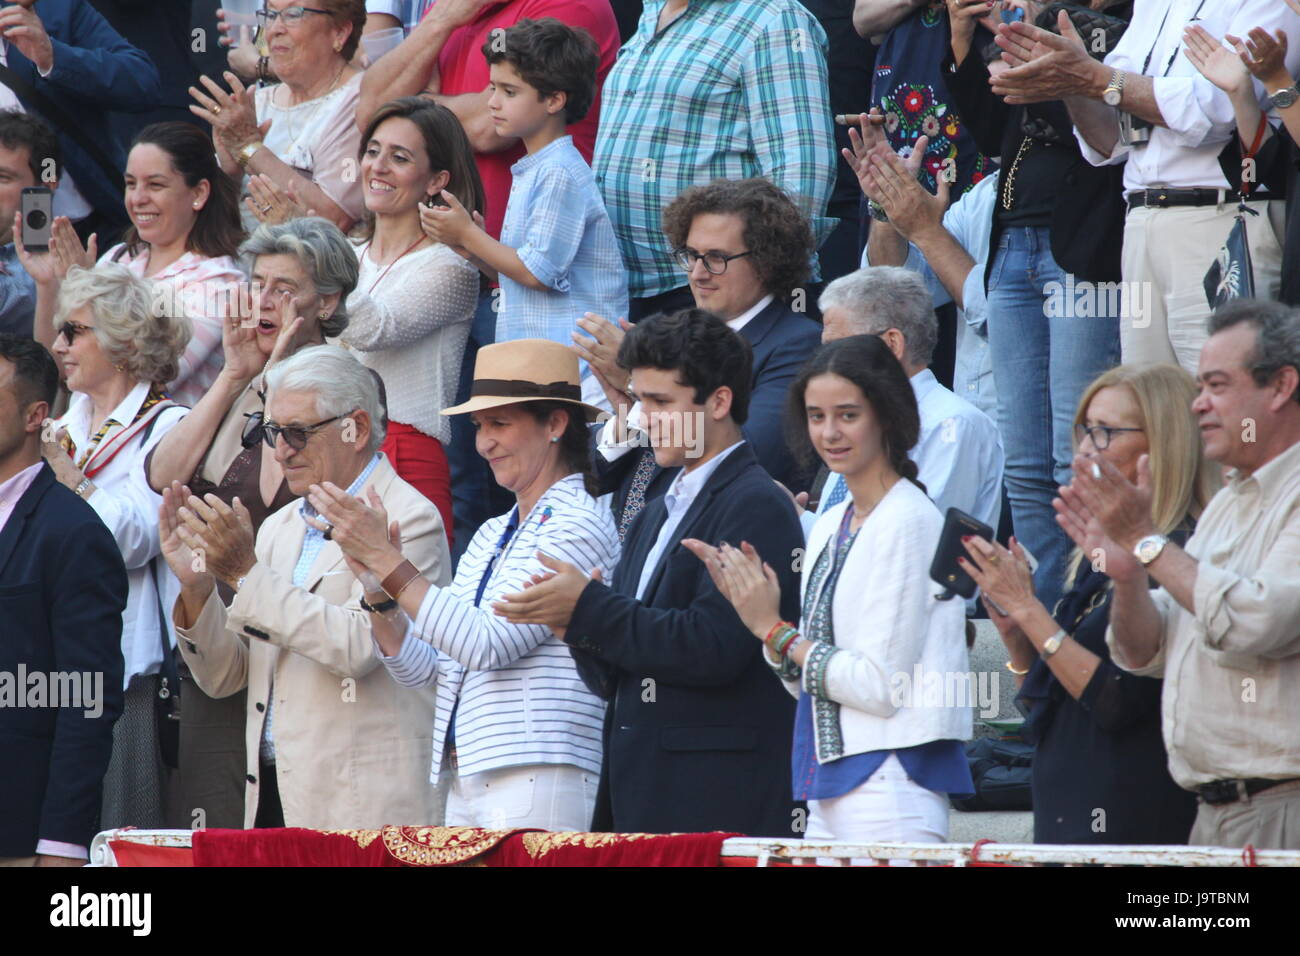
pixel 780 638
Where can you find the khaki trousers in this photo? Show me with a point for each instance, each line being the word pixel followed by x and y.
pixel 1268 821
pixel 1167 252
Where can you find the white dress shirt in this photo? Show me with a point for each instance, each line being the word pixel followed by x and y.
pixel 678 500
pixel 742 320
pixel 1199 115
pixel 129 507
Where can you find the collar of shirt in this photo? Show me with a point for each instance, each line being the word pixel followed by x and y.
pixel 1267 479
pixel 307 511
pixel 688 484
pixel 923 383
pixel 77 419
pixel 529 160
pixel 740 321
pixel 13 489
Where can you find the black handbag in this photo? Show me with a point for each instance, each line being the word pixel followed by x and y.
pixel 167 705
pixel 1100 33
pixel 1003 771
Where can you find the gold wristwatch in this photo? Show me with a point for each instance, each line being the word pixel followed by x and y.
pixel 245 154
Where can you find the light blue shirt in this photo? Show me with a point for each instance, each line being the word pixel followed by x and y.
pixel 556 221
pixel 970 220
pixel 678 500
pixel 17 294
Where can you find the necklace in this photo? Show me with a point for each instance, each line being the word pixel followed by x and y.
pixel 318 100
pixel 418 239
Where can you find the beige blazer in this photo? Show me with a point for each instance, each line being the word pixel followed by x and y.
pixel 353 748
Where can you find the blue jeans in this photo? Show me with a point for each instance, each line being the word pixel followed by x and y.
pixel 1046 350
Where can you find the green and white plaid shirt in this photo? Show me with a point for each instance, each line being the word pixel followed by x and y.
pixel 731 89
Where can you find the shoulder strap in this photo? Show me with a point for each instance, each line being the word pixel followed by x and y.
pixel 61 121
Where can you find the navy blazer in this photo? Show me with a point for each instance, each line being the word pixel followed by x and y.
pixel 782 340
pixel 63 588
pixel 698 730
pixel 95 72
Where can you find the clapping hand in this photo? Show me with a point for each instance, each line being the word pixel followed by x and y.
pixel 269 203
pixel 1225 68
pixel 911 208
pixel 745 580
pixel 548 599
pixel 362 532
pixel 189 566
pixel 862 143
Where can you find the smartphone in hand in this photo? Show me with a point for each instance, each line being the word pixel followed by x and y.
pixel 37 209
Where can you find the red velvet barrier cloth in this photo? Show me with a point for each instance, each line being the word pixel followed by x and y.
pixel 452 846
pixel 146 854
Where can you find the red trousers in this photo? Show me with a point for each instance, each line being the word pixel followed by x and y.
pixel 420 461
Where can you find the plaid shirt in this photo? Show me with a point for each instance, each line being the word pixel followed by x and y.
pixel 730 89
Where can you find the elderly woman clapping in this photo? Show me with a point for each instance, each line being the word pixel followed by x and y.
pixel 116 354
pixel 300 134
pixel 524 748
pixel 302 273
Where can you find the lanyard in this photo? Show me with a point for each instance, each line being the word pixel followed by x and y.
pixel 511 526
pixel 1196 15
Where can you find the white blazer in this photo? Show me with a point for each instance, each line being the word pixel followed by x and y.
pixel 898 668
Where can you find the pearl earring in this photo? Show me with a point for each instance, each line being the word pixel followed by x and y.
pixel 554 439
pixel 196 205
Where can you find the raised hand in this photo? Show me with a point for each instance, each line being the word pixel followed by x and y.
pixel 41 266
pixel 66 249
pixel 189 565
pixel 1221 66
pixel 269 203
pixel 862 143
pixel 361 532
pixel 243 357
pixel 449 224
pixel 745 580
pixel 1264 56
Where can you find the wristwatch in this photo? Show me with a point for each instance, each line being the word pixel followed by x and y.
pixel 383 607
pixel 1149 548
pixel 1052 645
pixel 245 154
pixel 1282 98
pixel 1114 91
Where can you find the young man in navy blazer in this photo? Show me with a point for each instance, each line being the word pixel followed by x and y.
pixel 697 734
pixel 62 592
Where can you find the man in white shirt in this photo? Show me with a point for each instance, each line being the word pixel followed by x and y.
pixel 1223 629
pixel 959 453
pixel 1148 106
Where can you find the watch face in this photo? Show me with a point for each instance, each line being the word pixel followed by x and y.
pixel 1111 97
pixel 1285 98
pixel 1148 548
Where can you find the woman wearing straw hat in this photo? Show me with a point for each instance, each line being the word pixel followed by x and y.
pixel 517 738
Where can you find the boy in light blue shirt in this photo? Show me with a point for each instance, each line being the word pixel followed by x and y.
pixel 558 257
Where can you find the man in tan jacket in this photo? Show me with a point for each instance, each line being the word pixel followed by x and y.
pixel 333 741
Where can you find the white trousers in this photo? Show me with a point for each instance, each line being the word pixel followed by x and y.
pixel 549 796
pixel 889 807
pixel 1167 251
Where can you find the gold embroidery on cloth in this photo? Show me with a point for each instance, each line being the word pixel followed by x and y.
pixel 540 844
pixel 440 846
pixel 362 838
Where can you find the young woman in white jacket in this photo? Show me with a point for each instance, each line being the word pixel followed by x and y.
pixel 878 662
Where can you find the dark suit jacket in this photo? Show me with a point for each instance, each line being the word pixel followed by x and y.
pixel 63 588
pixel 95 72
pixel 698 731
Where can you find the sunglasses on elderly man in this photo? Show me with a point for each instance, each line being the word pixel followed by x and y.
pixel 258 428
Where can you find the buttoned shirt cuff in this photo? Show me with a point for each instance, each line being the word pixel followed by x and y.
pixel 45 73
pixel 54 848
pixel 612 450
pixel 1153 668
pixel 1118 155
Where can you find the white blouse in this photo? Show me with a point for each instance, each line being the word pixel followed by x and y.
pixel 410 325
pixel 129 507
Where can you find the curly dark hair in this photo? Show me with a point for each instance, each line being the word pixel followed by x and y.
pixel 551 57
pixel 699 347
pixel 867 362
pixel 777 235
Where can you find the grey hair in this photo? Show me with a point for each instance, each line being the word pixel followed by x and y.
pixel 133 325
pixel 887 297
pixel 1277 335
pixel 340 383
pixel 324 252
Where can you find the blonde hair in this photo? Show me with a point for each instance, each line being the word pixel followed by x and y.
pixel 145 340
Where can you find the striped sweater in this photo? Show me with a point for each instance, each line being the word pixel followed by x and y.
pixel 517 696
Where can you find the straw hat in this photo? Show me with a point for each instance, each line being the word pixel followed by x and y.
pixel 525 370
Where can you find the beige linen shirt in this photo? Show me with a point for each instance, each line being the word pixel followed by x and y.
pixel 1231 700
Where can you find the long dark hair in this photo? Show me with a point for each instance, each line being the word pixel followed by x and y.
pixel 867 362
pixel 217 231
pixel 575 450
pixel 445 143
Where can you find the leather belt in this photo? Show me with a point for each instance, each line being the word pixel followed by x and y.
pixel 1188 197
pixel 1230 791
